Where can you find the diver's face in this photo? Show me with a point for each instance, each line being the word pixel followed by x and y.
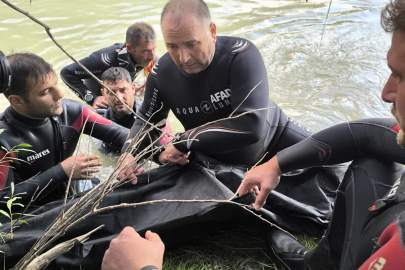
pixel 394 89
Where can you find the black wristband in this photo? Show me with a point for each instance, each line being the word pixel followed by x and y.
pixel 150 267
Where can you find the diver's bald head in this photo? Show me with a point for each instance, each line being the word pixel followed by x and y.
pixel 176 9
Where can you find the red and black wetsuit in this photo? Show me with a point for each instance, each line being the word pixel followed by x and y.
pixel 53 139
pixel 214 93
pixel 352 236
pixel 98 62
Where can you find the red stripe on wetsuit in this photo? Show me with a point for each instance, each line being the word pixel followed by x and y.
pixel 391 254
pixel 4 167
pixel 94 117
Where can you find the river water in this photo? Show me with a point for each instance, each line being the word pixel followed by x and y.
pixel 319 73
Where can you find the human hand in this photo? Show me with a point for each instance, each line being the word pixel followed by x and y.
pixel 266 177
pixel 83 168
pixel 100 103
pixel 127 167
pixel 132 252
pixel 172 155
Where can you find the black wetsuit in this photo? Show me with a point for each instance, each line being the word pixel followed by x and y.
pixel 98 62
pixel 53 139
pixel 371 143
pixel 214 93
pixel 126 120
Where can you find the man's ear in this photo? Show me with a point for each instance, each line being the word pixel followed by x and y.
pixel 133 88
pixel 102 91
pixel 16 101
pixel 213 32
pixel 129 47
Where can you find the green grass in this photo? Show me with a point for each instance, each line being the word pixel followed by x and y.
pixel 238 246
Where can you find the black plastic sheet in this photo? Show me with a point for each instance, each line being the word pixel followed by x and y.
pixel 301 203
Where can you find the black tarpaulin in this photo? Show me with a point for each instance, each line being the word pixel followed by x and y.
pixel 301 203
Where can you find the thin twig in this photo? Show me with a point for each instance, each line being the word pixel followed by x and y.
pixel 245 99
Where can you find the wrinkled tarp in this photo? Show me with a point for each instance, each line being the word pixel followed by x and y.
pixel 301 203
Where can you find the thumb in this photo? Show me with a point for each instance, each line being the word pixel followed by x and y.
pixel 153 237
pixel 140 170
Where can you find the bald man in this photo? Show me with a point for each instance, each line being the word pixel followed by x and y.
pixel 203 78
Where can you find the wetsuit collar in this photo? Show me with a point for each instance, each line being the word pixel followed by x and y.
pixel 26 120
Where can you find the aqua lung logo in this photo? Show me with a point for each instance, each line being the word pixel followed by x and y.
pixel 206 107
pixel 32 158
pixel 152 102
pixel 79 72
pixel 219 100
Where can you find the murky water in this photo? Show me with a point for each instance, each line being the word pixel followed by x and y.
pixel 317 83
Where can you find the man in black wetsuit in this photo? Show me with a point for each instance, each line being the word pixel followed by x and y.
pixel 119 81
pixel 39 117
pixel 135 55
pixel 205 78
pixel 367 227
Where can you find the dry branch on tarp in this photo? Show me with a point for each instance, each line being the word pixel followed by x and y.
pixel 45 259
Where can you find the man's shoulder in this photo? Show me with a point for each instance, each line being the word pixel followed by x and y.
pixel 160 67
pixel 232 46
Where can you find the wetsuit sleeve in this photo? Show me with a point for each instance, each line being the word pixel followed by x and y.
pixel 344 142
pixel 73 75
pixel 97 126
pixel 56 173
pixel 152 110
pixel 247 71
pixel 391 252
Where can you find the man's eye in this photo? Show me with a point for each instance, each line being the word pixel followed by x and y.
pixel 192 45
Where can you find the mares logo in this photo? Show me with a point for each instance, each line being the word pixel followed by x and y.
pixel 32 158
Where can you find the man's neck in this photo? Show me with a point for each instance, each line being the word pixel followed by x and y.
pixel 26 119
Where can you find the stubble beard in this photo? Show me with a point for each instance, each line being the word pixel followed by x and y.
pixel 401 133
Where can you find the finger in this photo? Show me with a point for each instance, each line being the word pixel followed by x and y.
pixel 245 188
pixel 261 198
pixel 90 170
pixel 92 164
pixel 139 171
pixel 102 105
pixel 133 182
pixel 128 231
pixel 256 190
pixel 104 102
pixel 153 237
pixel 91 157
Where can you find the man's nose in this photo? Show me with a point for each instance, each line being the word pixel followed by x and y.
pixel 184 56
pixel 389 92
pixel 58 93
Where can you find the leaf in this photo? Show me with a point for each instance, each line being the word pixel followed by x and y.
pixel 25 145
pixel 23 221
pixel 28 150
pixel 9 202
pixel 12 187
pixel 19 204
pixel 29 215
pixel 5 149
pixel 4 213
pixel 2 130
